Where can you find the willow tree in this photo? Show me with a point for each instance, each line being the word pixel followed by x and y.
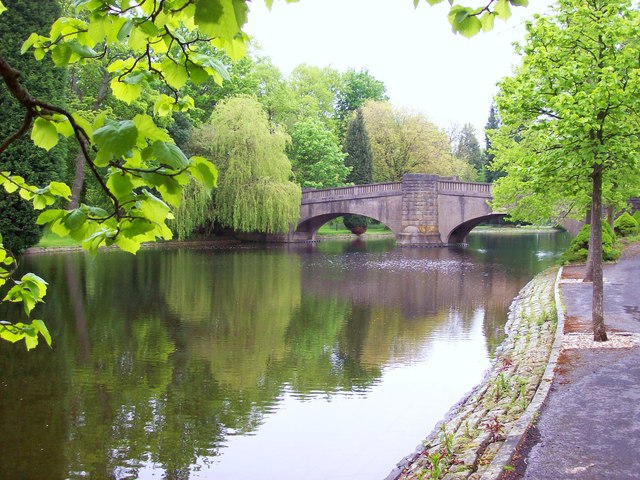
pixel 255 192
pixel 571 119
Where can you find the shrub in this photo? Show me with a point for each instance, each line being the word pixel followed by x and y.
pixel 636 216
pixel 356 223
pixel 579 248
pixel 625 225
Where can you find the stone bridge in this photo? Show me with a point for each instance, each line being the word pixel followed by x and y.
pixel 421 210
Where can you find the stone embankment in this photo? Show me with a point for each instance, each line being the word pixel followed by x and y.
pixel 476 439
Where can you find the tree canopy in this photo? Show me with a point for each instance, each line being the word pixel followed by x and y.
pixel 571 119
pixel 406 142
pixel 254 192
pixel 318 160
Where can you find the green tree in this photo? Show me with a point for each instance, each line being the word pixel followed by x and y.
pixel 406 142
pixel 318 160
pixel 43 79
pixel 358 148
pixel 356 89
pixel 315 90
pixel 493 123
pixel 465 146
pixel 571 113
pixel 255 193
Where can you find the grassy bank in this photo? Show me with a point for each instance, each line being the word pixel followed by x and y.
pixel 328 230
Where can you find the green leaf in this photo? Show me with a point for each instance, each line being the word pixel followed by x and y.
pixel 60 189
pixel 44 134
pixel 169 154
pixel 116 138
pixel 75 219
pixel 61 54
pixel 204 171
pixel 40 326
pixel 487 21
pixel 163 105
pixel 2 8
pixel 49 216
pixel 153 208
pixel 463 21
pixel 120 185
pixel 125 91
pixel 174 74
pixel 503 9
pixel 125 30
pixel 148 128
pixel 28 43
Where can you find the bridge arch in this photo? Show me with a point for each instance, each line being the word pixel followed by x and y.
pixel 382 202
pixel 460 232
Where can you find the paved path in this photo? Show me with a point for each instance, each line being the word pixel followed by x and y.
pixel 589 427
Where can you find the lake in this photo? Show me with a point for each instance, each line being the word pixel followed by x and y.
pixel 324 361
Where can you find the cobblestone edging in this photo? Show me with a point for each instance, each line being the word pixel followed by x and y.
pixel 479 434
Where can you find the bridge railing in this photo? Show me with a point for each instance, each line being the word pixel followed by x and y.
pixel 356 190
pixel 457 186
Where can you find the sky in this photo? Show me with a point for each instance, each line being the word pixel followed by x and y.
pixel 424 66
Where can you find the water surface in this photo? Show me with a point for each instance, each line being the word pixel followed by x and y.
pixel 325 361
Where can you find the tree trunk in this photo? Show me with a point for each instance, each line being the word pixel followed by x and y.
pixel 610 215
pixel 588 271
pixel 597 311
pixel 78 182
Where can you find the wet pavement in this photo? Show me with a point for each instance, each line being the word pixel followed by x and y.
pixel 589 426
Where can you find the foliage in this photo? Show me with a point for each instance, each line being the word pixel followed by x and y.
pixel 255 193
pixel 493 123
pixel 579 248
pixel 43 79
pixel 406 142
pixel 356 89
pixel 636 216
pixel 314 90
pixel 465 145
pixel 570 108
pixel 196 210
pixel 318 161
pixel 356 223
pixel 626 225
pixel 468 21
pixel 358 149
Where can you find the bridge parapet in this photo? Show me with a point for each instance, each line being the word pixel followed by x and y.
pixel 450 186
pixel 374 189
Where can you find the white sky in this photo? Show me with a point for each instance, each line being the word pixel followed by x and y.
pixel 413 51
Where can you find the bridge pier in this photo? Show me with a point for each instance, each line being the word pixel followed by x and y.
pixel 419 211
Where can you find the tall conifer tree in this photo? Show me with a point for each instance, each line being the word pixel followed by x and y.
pixel 43 80
pixel 359 151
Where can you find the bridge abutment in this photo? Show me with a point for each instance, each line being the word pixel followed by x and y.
pixel 419 211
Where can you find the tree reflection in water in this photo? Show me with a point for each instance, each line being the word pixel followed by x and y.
pixel 159 358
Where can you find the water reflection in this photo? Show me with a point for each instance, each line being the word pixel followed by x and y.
pixel 226 364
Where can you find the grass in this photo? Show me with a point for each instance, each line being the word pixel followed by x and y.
pixel 50 240
pixel 329 229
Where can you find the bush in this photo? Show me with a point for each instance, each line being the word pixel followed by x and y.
pixel 579 248
pixel 356 223
pixel 625 225
pixel 636 216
